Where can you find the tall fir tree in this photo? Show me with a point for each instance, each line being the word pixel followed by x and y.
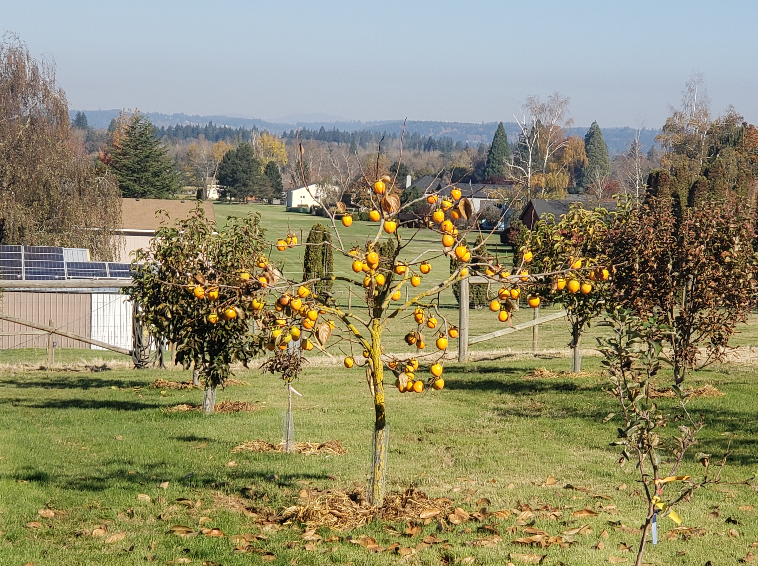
pixel 498 156
pixel 271 171
pixel 140 162
pixel 598 161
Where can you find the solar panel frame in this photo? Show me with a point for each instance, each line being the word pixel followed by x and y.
pixel 119 270
pixel 86 270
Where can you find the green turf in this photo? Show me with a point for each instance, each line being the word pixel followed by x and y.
pixel 89 443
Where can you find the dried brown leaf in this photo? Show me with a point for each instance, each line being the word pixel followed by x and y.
pixel 118 537
pixel 584 513
pixel 617 559
pixel 527 558
pixel 324 332
pixel 429 513
pixel 47 513
pixel 34 524
pixel 391 203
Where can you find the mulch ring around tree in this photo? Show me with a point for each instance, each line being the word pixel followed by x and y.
pixel 329 448
pixel 705 391
pixel 544 373
pixel 166 384
pixel 223 407
pixel 341 511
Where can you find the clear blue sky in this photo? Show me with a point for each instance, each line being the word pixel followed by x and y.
pixel 621 62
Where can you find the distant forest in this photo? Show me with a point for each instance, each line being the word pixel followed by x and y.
pixel 419 136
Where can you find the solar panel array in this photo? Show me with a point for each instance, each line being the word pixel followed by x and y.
pixel 35 263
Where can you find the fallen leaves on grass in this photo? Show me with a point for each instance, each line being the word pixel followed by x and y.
pixel 223 407
pixel 166 384
pixel 705 391
pixel 541 373
pixel 685 533
pixel 47 513
pixel 341 511
pixel 527 558
pixel 330 447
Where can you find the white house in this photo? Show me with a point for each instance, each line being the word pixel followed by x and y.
pixel 303 196
pixel 306 196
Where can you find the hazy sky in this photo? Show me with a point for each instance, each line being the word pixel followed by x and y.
pixel 621 62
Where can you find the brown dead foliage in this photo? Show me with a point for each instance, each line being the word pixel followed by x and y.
pixel 330 447
pixel 168 384
pixel 223 407
pixel 544 373
pixel 342 511
pixel 704 391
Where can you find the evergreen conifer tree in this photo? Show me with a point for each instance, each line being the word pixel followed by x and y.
pixel 598 161
pixel 498 156
pixel 241 174
pixel 318 261
pixel 271 171
pixel 140 162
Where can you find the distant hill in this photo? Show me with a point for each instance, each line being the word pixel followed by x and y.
pixel 617 139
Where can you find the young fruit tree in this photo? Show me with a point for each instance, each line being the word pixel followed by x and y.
pixel 694 269
pixel 382 270
pixel 571 251
pixel 197 288
pixel 633 359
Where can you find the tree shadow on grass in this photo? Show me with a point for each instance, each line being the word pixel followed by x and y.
pixel 520 387
pixel 146 476
pixel 58 381
pixel 111 404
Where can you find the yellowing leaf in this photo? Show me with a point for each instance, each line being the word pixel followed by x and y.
pixel 47 513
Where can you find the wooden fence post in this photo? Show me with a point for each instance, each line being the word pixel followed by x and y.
pixel 50 346
pixel 463 308
pixel 535 332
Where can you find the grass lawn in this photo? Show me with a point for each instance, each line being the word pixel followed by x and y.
pixel 91 446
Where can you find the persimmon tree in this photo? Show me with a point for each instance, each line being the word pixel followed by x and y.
pixel 197 287
pixel 381 272
pixel 570 249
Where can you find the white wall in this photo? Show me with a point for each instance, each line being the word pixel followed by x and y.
pixel 301 197
pixel 112 320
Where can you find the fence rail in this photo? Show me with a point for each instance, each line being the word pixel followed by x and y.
pixel 464 341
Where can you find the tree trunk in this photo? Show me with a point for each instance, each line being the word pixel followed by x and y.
pixel 381 440
pixel 645 530
pixel 209 399
pixel 576 360
pixel 196 377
